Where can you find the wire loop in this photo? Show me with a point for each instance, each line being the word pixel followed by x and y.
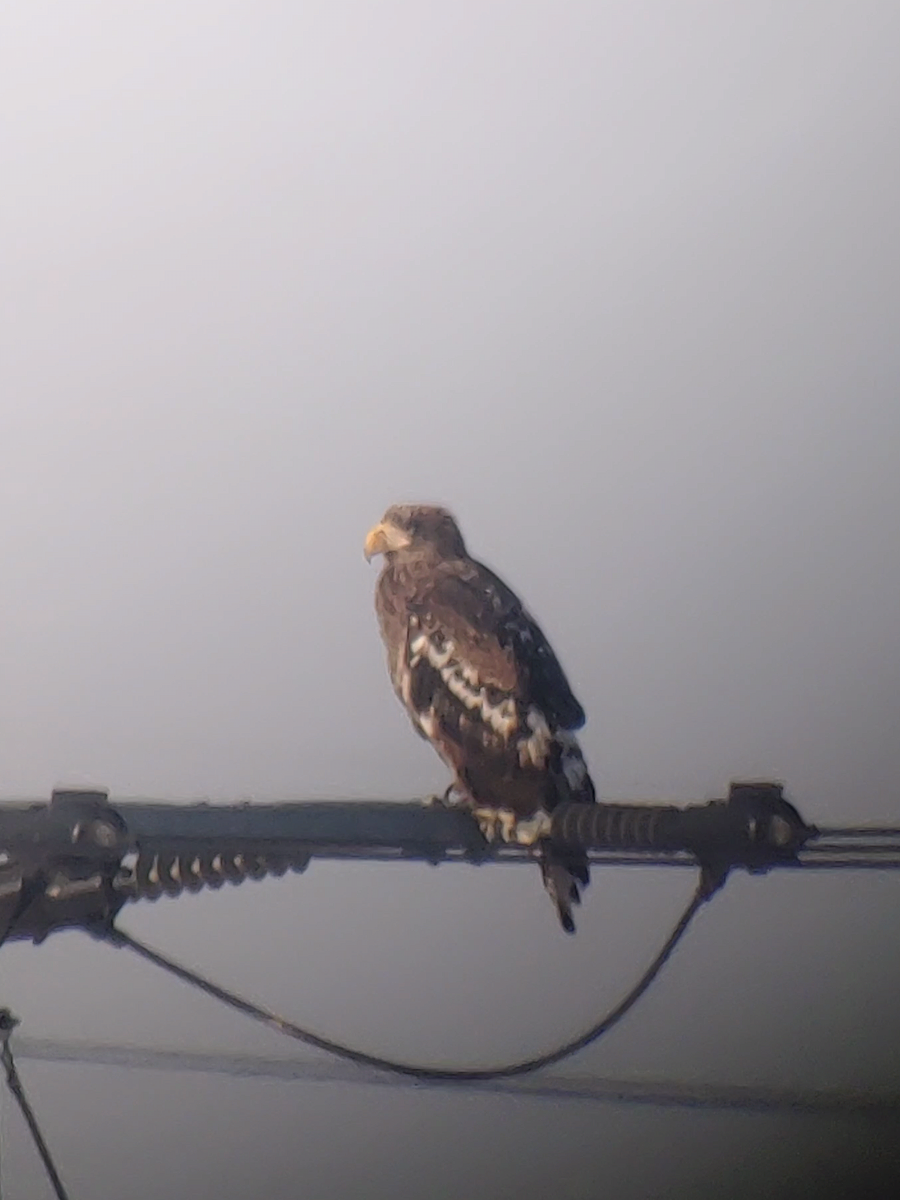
pixel 118 937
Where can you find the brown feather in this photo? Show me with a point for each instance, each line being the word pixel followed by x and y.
pixel 481 682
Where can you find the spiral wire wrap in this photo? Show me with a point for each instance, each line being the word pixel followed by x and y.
pixel 170 869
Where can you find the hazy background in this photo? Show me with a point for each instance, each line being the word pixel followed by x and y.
pixel 619 284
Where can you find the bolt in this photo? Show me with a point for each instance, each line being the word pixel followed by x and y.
pixel 780 832
pixel 104 834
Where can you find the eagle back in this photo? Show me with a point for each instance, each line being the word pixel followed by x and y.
pixel 459 620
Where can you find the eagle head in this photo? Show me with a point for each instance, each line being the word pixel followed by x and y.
pixel 417 528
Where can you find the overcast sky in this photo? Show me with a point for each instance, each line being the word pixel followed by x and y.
pixel 616 282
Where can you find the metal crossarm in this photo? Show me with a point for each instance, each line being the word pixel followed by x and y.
pixel 76 860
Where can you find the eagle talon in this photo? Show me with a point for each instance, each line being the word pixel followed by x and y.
pixel 529 832
pixel 502 824
pixel 507 822
pixel 487 820
pixel 496 824
pixel 449 798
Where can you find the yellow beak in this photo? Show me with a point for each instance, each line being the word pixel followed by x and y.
pixel 382 538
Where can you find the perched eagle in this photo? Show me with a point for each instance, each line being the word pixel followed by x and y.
pixel 481 683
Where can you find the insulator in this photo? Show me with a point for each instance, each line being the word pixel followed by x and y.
pixel 170 870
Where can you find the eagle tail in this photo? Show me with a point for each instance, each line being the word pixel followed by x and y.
pixel 565 872
pixel 562 874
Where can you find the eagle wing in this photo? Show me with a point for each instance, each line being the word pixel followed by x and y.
pixel 479 661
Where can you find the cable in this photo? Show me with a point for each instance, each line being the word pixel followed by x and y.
pixel 31 888
pixel 118 937
pixel 850 1101
pixel 7 1023
pixel 855 831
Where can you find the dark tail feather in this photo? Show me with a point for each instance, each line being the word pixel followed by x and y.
pixel 562 873
pixel 564 870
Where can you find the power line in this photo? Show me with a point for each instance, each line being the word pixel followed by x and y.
pixel 664 1093
pixel 414 1070
pixel 7 1024
pixel 77 860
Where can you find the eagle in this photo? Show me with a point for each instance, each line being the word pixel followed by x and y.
pixel 482 684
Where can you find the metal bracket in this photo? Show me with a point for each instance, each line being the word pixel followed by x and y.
pixel 58 862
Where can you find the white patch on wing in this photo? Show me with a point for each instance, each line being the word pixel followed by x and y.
pixel 469 674
pixel 501 716
pixel 462 681
pixel 428 724
pixel 573 764
pixel 534 749
pixel 424 646
pixel 402 678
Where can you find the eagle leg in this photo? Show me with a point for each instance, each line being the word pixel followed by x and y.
pixel 446 799
pixel 434 801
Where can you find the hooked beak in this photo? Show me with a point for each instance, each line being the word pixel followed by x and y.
pixel 384 538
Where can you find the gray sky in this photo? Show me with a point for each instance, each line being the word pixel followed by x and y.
pixel 618 284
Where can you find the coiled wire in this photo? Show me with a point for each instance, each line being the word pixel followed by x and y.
pixel 172 868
